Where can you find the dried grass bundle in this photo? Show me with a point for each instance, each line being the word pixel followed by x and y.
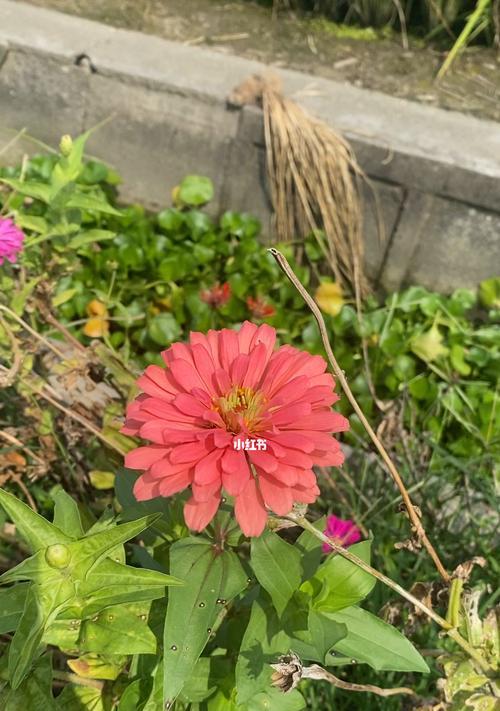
pixel 314 180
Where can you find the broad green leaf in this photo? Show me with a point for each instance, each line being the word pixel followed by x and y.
pixel 30 222
pixel 325 633
pixel 27 639
pixel 310 549
pixel 119 630
pixel 338 583
pixel 213 578
pixel 199 685
pixel 63 297
pixel 94 203
pixel 36 531
pixel 263 642
pixel 277 566
pixel 371 640
pixel 163 329
pixel 131 697
pixel 489 293
pixel 80 698
pixel 34 693
pixel 12 602
pixel 90 237
pixel 67 515
pixel 195 190
pixel 273 699
pixel 96 666
pixel 429 345
pixel 30 188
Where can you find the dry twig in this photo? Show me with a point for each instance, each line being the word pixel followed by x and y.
pixel 413 515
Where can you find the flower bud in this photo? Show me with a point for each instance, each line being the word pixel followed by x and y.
pixel 58 556
pixel 66 145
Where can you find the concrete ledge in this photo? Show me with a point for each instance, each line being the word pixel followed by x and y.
pixel 437 172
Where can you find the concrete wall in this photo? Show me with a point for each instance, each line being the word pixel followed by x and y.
pixel 437 173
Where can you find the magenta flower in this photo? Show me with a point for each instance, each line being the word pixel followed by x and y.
pixel 345 533
pixel 11 240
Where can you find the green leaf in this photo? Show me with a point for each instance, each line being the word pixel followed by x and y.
pixel 80 698
pixel 83 201
pixel 34 693
pixel 67 515
pixel 275 700
pixel 429 345
pixel 277 566
pixel 213 578
pixel 112 583
pixel 27 639
pixel 371 640
pixel 164 329
pixel 325 633
pixel 119 630
pixel 12 603
pixel 489 293
pixel 195 190
pixel 263 642
pixel 30 188
pixel 311 549
pixel 90 237
pixel 338 583
pixel 63 297
pixel 89 550
pixel 30 222
pixel 36 531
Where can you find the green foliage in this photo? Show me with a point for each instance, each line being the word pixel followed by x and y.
pixel 208 644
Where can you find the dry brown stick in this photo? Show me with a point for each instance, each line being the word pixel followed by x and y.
pixel 419 529
pixel 17 443
pixel 317 672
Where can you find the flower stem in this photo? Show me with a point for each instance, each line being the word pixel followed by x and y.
pixel 452 632
pixel 414 517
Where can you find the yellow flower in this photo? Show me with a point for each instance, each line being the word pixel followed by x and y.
pixel 97 325
pixel 329 298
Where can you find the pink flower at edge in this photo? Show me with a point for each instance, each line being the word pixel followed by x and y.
pixel 344 532
pixel 217 391
pixel 11 240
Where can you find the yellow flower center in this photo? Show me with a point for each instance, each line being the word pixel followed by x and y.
pixel 242 409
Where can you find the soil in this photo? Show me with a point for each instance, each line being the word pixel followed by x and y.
pixel 361 57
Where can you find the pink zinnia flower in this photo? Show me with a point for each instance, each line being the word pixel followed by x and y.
pixel 217 394
pixel 345 533
pixel 11 240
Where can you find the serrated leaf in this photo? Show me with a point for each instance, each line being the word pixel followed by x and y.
pixel 277 566
pixel 36 531
pixel 213 579
pixel 371 640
